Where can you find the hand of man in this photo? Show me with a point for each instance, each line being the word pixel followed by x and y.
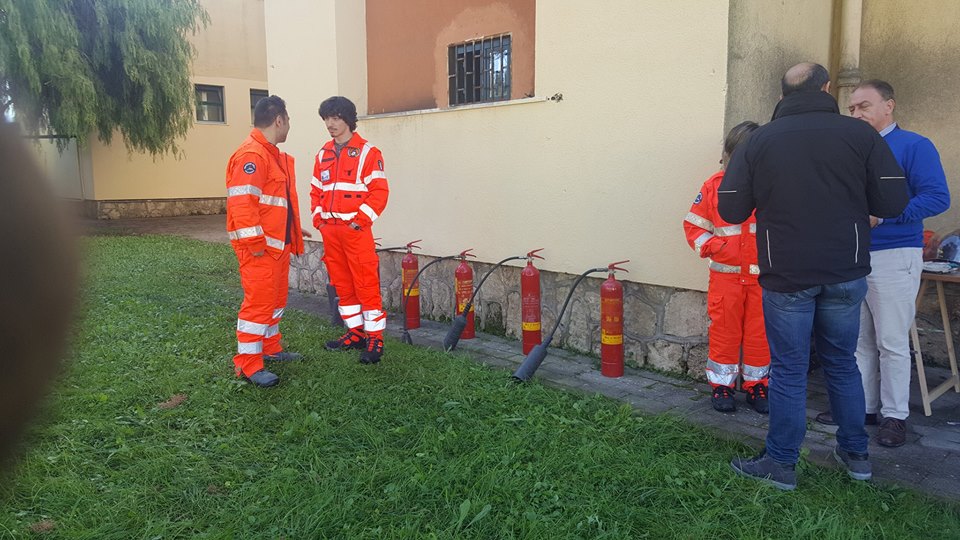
pixel 874 221
pixel 306 234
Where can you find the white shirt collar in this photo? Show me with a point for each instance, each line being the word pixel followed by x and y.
pixel 888 129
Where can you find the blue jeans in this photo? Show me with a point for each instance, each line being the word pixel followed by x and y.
pixel 832 312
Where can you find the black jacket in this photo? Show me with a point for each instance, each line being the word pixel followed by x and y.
pixel 815 178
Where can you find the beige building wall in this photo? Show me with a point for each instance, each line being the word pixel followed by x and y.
pixel 231 53
pixel 232 45
pixel 304 69
pixel 61 167
pixel 199 172
pixel 606 174
pixel 914 45
pixel 766 38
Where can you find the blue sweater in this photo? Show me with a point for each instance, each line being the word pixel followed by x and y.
pixel 927 183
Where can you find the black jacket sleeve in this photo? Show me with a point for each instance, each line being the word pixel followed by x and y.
pixel 735 200
pixel 887 193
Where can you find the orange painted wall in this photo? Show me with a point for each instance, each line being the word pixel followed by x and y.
pixel 407 47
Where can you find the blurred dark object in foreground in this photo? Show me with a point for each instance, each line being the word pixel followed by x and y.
pixel 38 279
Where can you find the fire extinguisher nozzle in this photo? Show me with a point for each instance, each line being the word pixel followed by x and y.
pixel 453 335
pixel 530 364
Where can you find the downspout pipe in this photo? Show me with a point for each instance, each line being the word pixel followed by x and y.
pixel 851 24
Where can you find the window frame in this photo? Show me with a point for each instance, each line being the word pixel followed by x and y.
pixel 253 104
pixel 200 104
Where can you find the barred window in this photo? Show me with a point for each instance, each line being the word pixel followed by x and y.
pixel 209 103
pixel 255 96
pixel 479 70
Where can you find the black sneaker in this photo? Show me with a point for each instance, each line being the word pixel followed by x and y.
pixel 857 465
pixel 353 339
pixel 757 398
pixel 722 399
pixel 768 471
pixel 372 353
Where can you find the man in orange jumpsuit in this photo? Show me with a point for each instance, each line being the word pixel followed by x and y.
pixel 734 301
pixel 264 228
pixel 348 193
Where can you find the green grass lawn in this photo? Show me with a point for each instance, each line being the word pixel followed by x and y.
pixel 424 445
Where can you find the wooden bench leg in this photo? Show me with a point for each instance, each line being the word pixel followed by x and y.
pixel 951 353
pixel 921 375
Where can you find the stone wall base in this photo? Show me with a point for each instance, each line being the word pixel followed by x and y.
pixel 149 208
pixel 665 328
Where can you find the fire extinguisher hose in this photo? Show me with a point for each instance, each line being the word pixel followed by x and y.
pixel 533 360
pixel 460 321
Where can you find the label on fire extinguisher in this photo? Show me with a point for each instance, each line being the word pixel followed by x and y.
pixel 530 326
pixel 408 276
pixel 610 339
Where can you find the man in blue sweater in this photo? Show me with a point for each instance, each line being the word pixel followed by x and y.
pixel 896 245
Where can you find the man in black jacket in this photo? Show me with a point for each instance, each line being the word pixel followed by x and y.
pixel 815 178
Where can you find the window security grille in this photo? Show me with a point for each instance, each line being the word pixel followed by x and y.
pixel 479 70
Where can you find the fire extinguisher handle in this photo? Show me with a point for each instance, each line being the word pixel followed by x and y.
pixel 533 254
pixel 466 253
pixel 613 266
pixel 413 245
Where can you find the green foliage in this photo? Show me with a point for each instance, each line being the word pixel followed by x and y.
pixel 79 67
pixel 423 445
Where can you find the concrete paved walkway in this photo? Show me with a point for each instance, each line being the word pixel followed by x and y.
pixel 930 461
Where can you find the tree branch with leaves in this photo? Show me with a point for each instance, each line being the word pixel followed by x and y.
pixel 83 67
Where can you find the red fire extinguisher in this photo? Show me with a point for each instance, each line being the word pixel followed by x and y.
pixel 530 303
pixel 463 289
pixel 409 268
pixel 611 324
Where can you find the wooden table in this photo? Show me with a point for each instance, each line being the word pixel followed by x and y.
pixel 926 395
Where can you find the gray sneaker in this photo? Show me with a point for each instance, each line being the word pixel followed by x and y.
pixel 768 471
pixel 857 465
pixel 282 356
pixel 263 379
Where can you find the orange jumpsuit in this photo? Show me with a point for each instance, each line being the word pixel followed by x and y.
pixel 349 192
pixel 262 215
pixel 734 301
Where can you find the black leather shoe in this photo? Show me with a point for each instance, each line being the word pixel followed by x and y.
pixel 893 432
pixel 826 418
